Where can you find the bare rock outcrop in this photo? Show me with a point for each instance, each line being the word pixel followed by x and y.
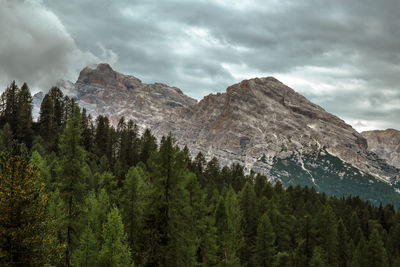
pixel 386 144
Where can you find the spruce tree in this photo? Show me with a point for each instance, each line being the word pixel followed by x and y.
pixel 249 209
pixel 342 245
pixel 72 157
pixel 47 127
pixel 87 251
pixel 115 250
pixel 132 204
pixel 376 251
pixel 225 237
pixel 170 238
pixel 9 107
pixel 265 243
pixel 23 129
pixel 317 259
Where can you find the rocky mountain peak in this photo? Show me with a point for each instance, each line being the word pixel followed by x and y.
pixel 103 75
pixel 385 143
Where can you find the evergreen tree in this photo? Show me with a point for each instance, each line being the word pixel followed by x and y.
pixel 225 237
pixel 342 245
pixel 202 231
pixel 360 257
pixel 86 254
pixel 23 129
pixel 265 243
pixel 26 235
pixel 57 98
pixel 115 250
pixel 317 259
pixel 72 180
pixel 147 146
pixel 376 251
pixel 9 107
pixel 133 204
pixel 170 238
pixel 47 128
pixel 133 144
pixel 249 209
pixel 101 139
pixel 328 234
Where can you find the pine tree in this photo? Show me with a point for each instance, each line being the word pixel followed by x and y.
pixel 101 139
pixel 57 98
pixel 23 129
pixel 265 243
pixel 133 203
pixel 225 237
pixel 115 250
pixel 360 254
pixel 317 259
pixel 47 128
pixel 249 209
pixel 376 251
pixel 328 233
pixel 9 107
pixel 202 230
pixel 72 181
pixel 26 235
pixel 342 245
pixel 169 236
pixel 147 146
pixel 133 144
pixel 86 254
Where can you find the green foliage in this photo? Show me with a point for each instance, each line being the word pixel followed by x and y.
pixel 265 243
pixel 115 250
pixel 26 233
pixel 71 178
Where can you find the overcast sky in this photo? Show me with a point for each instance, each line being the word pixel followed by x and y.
pixel 343 55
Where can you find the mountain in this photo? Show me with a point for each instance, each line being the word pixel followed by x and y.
pixel 260 123
pixel 386 144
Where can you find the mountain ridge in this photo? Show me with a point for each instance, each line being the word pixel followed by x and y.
pixel 253 123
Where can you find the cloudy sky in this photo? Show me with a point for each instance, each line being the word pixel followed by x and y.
pixel 343 55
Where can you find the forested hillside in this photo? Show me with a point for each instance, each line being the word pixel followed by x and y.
pixel 75 191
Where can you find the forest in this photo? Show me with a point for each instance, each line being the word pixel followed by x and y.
pixel 76 191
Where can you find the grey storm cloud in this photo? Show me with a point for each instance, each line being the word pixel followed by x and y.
pixel 342 55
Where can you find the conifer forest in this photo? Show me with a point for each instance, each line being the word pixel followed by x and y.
pixel 76 191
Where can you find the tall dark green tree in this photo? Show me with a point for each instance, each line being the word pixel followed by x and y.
pixel 72 188
pixel 24 131
pixel 47 127
pixel 9 106
pixel 265 243
pixel 133 204
pixel 226 253
pixel 170 238
pixel 249 209
pixel 377 255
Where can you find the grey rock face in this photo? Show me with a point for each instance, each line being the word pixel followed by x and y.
pixel 386 144
pixel 254 122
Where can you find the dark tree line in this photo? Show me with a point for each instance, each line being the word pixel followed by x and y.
pixel 97 195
